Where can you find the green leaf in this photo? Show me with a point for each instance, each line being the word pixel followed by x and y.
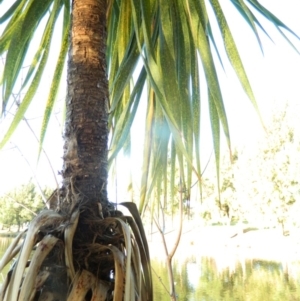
pixel 159 162
pixel 173 172
pixel 196 107
pixel 11 27
pixel 35 82
pixel 122 77
pixel 19 44
pixel 249 18
pixel 124 121
pixel 8 14
pixel 56 80
pixel 215 126
pixel 146 155
pixel 26 101
pixel 232 52
pixel 203 47
pixel 277 22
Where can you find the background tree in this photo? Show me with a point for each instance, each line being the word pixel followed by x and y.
pixel 157 46
pixel 260 185
pixel 274 178
pixel 20 205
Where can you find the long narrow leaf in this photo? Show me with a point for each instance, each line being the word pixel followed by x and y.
pixel 56 80
pixel 27 98
pixel 20 42
pixel 10 12
pixel 233 53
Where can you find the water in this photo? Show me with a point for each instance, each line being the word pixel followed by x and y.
pixel 202 279
pixel 199 279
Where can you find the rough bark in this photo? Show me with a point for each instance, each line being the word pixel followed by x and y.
pixel 86 135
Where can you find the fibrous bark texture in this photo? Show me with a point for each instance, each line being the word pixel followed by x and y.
pixel 85 150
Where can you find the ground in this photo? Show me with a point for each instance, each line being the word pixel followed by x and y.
pixel 221 242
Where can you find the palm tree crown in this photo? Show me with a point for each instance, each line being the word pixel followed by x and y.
pixel 152 45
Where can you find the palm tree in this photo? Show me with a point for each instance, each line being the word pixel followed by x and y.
pixel 86 249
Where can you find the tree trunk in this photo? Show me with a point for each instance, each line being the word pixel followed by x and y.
pixel 86 134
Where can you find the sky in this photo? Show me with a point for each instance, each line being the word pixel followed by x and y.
pixel 273 75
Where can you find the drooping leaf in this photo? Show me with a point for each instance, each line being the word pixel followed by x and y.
pixel 8 14
pixel 39 69
pixel 233 53
pixel 56 80
pixel 20 42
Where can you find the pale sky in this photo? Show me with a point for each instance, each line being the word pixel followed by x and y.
pixel 274 77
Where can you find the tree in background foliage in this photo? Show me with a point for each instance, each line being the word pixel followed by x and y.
pixel 261 185
pixel 154 46
pixel 20 205
pixel 275 169
pixel 220 207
